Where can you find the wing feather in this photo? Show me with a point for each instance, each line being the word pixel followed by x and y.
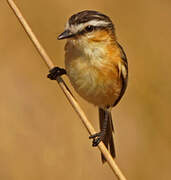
pixel 123 72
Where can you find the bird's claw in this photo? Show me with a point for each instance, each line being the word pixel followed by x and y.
pixel 55 72
pixel 97 138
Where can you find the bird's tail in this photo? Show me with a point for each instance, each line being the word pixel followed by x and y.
pixel 108 140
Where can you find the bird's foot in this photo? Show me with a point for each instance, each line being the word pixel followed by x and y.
pixel 97 138
pixel 55 72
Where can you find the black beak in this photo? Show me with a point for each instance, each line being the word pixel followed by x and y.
pixel 66 34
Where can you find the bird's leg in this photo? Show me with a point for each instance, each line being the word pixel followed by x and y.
pixel 98 137
pixel 55 72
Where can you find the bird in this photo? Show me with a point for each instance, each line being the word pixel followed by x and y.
pixel 96 66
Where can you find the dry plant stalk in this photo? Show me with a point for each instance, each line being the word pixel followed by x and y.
pixel 66 91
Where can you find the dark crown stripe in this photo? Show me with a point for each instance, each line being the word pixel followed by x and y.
pixel 85 16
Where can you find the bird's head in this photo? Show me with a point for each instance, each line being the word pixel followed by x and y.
pixel 88 27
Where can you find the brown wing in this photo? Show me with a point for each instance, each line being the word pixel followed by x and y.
pixel 124 74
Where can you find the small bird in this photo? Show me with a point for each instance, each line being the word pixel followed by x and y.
pixel 96 66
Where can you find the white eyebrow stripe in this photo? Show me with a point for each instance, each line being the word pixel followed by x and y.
pixel 80 27
pixel 97 23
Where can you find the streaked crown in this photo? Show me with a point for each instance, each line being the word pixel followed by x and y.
pixel 86 22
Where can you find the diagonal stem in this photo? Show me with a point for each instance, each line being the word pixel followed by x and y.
pixel 66 90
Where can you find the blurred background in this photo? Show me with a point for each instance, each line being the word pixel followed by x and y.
pixel 41 137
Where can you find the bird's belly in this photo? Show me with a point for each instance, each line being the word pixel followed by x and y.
pixel 98 88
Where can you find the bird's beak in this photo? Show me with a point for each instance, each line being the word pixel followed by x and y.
pixel 66 34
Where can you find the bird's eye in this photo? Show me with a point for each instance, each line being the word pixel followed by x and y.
pixel 89 28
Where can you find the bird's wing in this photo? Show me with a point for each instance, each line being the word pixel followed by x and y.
pixel 123 71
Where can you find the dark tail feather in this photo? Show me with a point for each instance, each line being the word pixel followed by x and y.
pixel 108 140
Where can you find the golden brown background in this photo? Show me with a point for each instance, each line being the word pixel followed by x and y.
pixel 41 137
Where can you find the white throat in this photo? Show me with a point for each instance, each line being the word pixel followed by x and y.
pixel 92 52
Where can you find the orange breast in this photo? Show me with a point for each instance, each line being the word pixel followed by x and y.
pixel 98 83
pixel 100 86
